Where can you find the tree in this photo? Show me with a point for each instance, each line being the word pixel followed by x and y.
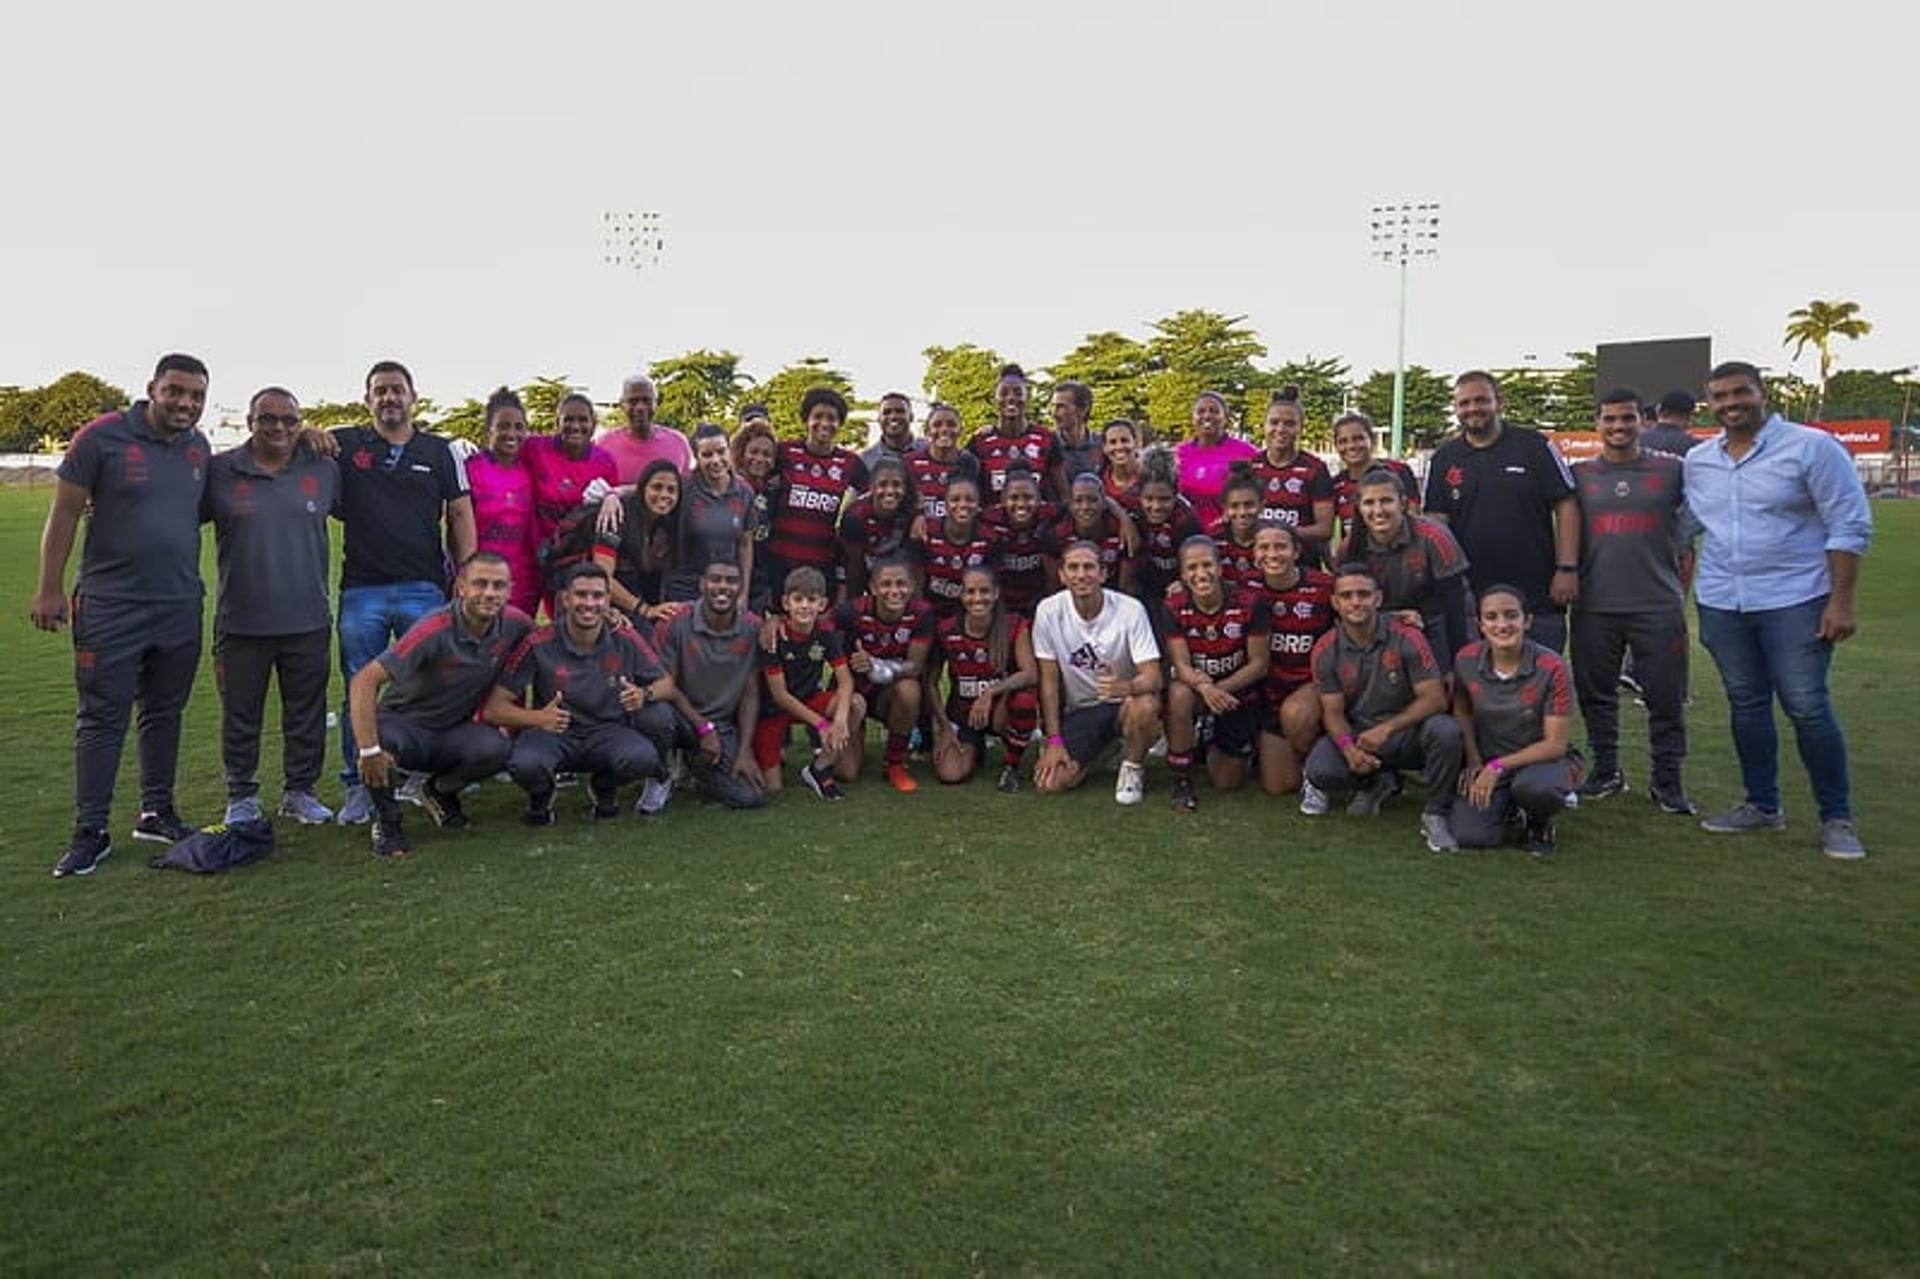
pixel 31 418
pixel 327 414
pixel 1429 404
pixel 783 391
pixel 700 386
pixel 1114 367
pixel 1198 350
pixel 1575 398
pixel 1324 385
pixel 1526 397
pixel 1791 395
pixel 965 377
pixel 1857 393
pixel 1817 324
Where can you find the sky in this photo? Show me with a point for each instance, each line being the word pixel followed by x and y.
pixel 294 193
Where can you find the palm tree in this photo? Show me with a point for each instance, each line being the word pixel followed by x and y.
pixel 1819 323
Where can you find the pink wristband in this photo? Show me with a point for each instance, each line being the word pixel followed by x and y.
pixel 1343 741
pixel 1495 765
pixel 822 725
pixel 1056 740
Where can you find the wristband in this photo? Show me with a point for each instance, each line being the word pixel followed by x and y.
pixel 1496 765
pixel 1344 741
pixel 706 728
pixel 1054 739
pixel 822 724
pixel 368 752
pixel 1566 568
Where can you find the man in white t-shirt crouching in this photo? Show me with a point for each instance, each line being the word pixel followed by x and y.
pixel 1099 678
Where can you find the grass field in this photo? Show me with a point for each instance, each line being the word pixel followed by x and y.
pixel 966 1033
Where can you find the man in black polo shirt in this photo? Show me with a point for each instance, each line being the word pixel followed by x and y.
pixel 1384 707
pixel 1632 600
pixel 136 602
pixel 1508 497
pixel 269 500
pixel 596 704
pixel 441 671
pixel 712 651
pixel 1668 432
pixel 397 486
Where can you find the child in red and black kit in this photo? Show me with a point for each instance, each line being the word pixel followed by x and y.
pixel 806 646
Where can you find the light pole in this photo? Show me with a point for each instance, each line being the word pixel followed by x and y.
pixel 1402 232
pixel 631 239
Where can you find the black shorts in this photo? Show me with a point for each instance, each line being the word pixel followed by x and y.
pixel 1237 732
pixel 1088 730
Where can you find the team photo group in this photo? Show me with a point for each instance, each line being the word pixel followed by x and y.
pixel 635 616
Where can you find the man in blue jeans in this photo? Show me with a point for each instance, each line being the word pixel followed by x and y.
pixel 397 486
pixel 1784 522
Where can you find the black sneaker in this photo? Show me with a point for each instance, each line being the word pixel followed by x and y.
pixel 1009 781
pixel 1600 785
pixel 539 809
pixel 1182 799
pixel 444 809
pixel 389 841
pixel 606 804
pixel 1540 838
pixel 1672 799
pixel 162 827
pixel 85 851
pixel 820 781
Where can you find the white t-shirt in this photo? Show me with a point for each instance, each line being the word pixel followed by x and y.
pixel 1119 639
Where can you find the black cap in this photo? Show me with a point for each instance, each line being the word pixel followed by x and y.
pixel 1677 402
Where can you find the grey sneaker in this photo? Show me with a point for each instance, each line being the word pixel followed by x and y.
pixel 1745 818
pixel 245 810
pixel 654 795
pixel 1439 833
pixel 83 854
pixel 1313 800
pixel 409 792
pixel 1839 840
pixel 1370 798
pixel 357 808
pixel 302 806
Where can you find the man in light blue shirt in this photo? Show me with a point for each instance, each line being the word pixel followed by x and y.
pixel 1783 521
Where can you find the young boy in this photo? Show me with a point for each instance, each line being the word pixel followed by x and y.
pixel 805 644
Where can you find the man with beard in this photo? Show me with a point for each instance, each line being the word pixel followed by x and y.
pixel 435 678
pixel 896 430
pixel 1631 602
pixel 138 476
pixel 1509 499
pixel 1080 449
pixel 712 653
pixel 1784 523
pixel 398 485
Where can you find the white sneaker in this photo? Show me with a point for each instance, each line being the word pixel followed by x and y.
pixel 409 792
pixel 1132 786
pixel 654 796
pixel 1159 748
pixel 1313 800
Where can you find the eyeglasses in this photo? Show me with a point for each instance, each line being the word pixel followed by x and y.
pixel 288 420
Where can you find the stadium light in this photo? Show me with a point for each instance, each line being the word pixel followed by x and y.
pixel 632 240
pixel 1401 233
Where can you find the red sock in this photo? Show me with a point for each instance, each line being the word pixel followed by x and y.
pixel 896 748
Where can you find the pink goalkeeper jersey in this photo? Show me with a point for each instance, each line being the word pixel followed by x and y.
pixel 1203 472
pixel 504 522
pixel 559 480
pixel 631 453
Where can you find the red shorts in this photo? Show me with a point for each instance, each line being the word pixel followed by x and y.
pixel 770 736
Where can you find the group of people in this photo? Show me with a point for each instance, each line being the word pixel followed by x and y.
pixel 629 606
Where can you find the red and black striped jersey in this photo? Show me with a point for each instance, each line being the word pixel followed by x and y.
pixel 969 661
pixel 1020 557
pixel 1127 495
pixel 1158 565
pixel 805 499
pixel 1299 615
pixel 802 660
pixel 930 477
pixel 1236 561
pixel 1287 493
pixel 1346 489
pixel 862 624
pixel 867 532
pixel 1216 641
pixel 946 557
pixel 1113 550
pixel 1035 448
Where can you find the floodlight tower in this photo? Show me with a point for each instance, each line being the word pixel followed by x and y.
pixel 631 239
pixel 1402 232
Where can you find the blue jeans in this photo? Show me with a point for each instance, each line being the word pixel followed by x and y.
pixel 1777 652
pixel 370 617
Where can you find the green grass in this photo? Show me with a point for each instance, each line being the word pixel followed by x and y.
pixel 964 1033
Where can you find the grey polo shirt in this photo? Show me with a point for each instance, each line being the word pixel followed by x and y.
pixel 1510 714
pixel 143 532
pixel 1630 534
pixel 271 530
pixel 711 667
pixel 441 674
pixel 587 678
pixel 1377 677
